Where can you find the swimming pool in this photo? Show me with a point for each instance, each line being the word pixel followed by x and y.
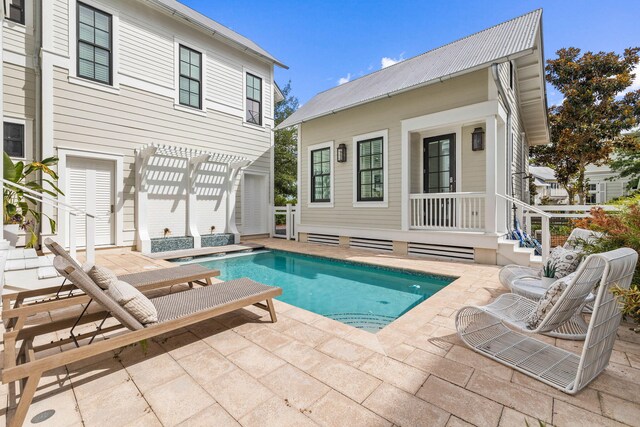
pixel 361 295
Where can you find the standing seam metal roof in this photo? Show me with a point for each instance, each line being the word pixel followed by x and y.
pixel 483 48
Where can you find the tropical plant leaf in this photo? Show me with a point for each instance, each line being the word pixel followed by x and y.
pixel 9 169
pixel 10 209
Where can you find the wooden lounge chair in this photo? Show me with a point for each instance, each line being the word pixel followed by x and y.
pixel 15 307
pixel 175 311
pixel 489 330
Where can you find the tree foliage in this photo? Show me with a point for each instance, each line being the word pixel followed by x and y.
pixel 586 128
pixel 286 151
pixel 627 162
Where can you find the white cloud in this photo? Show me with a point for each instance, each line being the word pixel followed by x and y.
pixel 345 79
pixel 387 62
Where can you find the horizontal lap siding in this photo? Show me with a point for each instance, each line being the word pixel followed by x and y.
pixel 383 114
pixel 61 26
pixel 19 91
pixel 225 81
pixel 474 163
pixel 145 54
pixel 99 121
pixel 17 41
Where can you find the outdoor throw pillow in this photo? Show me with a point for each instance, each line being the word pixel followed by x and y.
pixel 133 301
pixel 565 260
pixel 102 276
pixel 546 303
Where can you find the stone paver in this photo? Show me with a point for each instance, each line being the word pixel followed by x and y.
pixel 240 369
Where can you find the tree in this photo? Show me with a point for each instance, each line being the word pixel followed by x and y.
pixel 586 128
pixel 285 151
pixel 627 162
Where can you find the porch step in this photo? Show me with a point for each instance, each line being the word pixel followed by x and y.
pixel 510 252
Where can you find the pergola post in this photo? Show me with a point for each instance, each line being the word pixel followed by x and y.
pixel 233 182
pixel 192 221
pixel 143 240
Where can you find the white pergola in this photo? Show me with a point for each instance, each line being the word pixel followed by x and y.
pixel 195 159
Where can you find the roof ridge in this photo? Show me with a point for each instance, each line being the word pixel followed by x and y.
pixel 431 50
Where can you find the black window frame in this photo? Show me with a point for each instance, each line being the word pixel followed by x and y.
pixel 180 75
pixel 20 8
pixel 78 41
pixel 22 141
pixel 359 170
pixel 259 101
pixel 321 176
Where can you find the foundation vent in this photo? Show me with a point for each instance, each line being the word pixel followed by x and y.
pixel 374 244
pixel 462 253
pixel 323 239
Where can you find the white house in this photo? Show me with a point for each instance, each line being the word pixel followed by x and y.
pixel 162 118
pixel 429 155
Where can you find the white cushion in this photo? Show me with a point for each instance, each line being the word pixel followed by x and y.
pixel 133 301
pixel 546 303
pixel 101 275
pixel 565 260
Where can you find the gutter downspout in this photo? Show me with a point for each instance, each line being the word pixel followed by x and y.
pixel 501 93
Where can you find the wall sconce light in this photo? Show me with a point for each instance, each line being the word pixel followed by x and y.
pixel 477 139
pixel 342 153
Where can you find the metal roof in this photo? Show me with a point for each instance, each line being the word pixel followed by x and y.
pixel 543 173
pixel 508 40
pixel 208 24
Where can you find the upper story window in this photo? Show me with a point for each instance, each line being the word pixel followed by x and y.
pixel 14 139
pixel 94 44
pixel 15 11
pixel 370 170
pixel 254 99
pixel 321 175
pixel 190 77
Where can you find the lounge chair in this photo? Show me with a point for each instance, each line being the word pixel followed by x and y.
pixel 16 309
pixel 512 272
pixel 489 330
pixel 175 311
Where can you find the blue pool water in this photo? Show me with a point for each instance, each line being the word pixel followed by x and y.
pixel 364 296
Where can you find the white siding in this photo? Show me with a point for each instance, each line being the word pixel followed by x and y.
pixel 61 26
pixel 224 81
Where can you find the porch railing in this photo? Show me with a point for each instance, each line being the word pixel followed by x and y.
pixel 284 222
pixel 447 211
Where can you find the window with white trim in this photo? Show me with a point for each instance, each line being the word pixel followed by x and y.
pixel 321 175
pixel 14 11
pixel 190 77
pixel 254 99
pixel 95 57
pixel 14 144
pixel 371 170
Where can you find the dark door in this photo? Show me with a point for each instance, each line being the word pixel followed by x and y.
pixel 440 177
pixel 440 164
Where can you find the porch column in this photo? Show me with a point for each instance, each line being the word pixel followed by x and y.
pixel 405 170
pixel 491 134
pixel 192 221
pixel 143 240
pixel 233 181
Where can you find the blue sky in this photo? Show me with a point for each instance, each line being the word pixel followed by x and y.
pixel 323 42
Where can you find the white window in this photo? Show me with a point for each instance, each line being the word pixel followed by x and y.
pixel 370 157
pixel 253 100
pixel 190 77
pixel 320 174
pixel 18 138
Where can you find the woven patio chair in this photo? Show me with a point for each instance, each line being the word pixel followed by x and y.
pixel 512 272
pixel 495 330
pixel 28 362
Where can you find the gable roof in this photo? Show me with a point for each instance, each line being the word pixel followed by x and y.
pixel 543 173
pixel 180 10
pixel 502 42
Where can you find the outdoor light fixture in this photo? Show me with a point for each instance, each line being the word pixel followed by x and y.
pixel 342 153
pixel 477 139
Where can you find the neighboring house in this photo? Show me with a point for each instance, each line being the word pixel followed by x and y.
pixel 162 118
pixel 604 185
pixel 422 156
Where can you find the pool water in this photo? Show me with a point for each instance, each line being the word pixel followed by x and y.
pixel 360 295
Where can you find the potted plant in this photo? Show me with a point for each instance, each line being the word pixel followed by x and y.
pixel 548 273
pixel 167 232
pixel 20 209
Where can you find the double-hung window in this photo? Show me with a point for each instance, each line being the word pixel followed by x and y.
pixel 15 11
pixel 370 174
pixel 95 54
pixel 321 175
pixel 190 77
pixel 254 99
pixel 14 139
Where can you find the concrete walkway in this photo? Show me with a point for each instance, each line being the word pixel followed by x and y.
pixel 309 370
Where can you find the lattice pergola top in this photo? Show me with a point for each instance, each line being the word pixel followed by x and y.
pixel 189 153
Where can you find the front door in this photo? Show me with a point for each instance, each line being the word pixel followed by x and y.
pixel 439 177
pixel 440 164
pixel 90 187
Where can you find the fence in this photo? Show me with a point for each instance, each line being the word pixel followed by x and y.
pixel 284 222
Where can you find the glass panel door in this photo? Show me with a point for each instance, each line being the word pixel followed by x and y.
pixel 440 177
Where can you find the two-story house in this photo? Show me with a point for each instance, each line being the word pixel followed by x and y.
pixel 161 117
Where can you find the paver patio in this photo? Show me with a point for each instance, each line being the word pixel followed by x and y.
pixel 238 369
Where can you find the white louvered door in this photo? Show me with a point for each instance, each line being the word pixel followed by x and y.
pixel 90 188
pixel 254 204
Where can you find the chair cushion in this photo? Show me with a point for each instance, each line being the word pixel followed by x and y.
pixel 548 300
pixel 101 275
pixel 565 260
pixel 133 301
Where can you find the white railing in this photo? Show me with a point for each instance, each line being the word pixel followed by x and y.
pixel 447 211
pixel 573 211
pixel 527 211
pixel 288 229
pixel 72 212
